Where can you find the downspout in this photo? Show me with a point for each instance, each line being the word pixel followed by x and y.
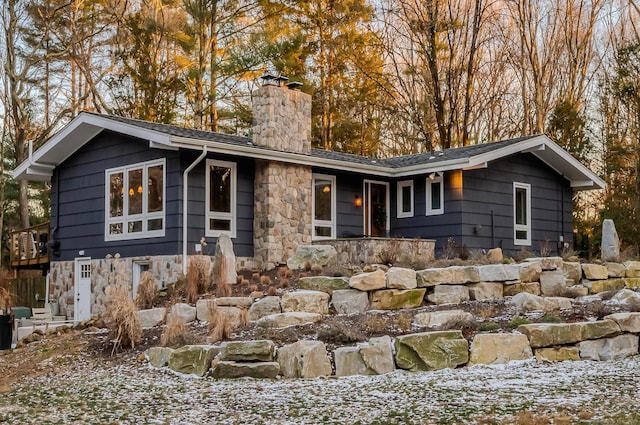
pixel 185 203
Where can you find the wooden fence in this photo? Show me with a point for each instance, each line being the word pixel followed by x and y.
pixel 30 291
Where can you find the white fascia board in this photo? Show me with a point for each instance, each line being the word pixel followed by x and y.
pixel 441 166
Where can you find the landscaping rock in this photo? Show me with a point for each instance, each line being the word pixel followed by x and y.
pixel 615 270
pixel 202 309
pixel 326 284
pixel 193 359
pixel 599 329
pixel 628 322
pixel 550 334
pixel 597 286
pixel 152 317
pixel 231 370
pixel 401 278
pixel 349 362
pixel 305 301
pixel 595 272
pixel 454 275
pixel 610 246
pixel 557 354
pixel 395 299
pixel 159 356
pixel 349 301
pixel 626 297
pixel 443 319
pixel 240 302
pixel 304 359
pixel 377 354
pixel 368 281
pixel 320 255
pixel 572 270
pixel 248 351
pixel 224 262
pixel 552 283
pixel 576 291
pixel 509 290
pixel 282 320
pixel 485 291
pixel 187 312
pixel 495 255
pixel 238 317
pixel 264 307
pixel 556 303
pixel 499 348
pixel 525 301
pixel 499 272
pixel 609 348
pixel 547 263
pixel 632 282
pixel 632 269
pixel 530 271
pixel 431 350
pixel 449 294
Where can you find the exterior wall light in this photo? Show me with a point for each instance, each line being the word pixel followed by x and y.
pixel 357 201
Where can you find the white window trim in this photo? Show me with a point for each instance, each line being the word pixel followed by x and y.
pixel 429 210
pixel 400 186
pixel 145 216
pixel 221 215
pixel 323 223
pixel 521 227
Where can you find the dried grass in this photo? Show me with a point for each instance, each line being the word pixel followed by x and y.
pixel 220 327
pixel 284 282
pixel 255 276
pixel 289 274
pixel 122 319
pixel 198 277
pixel 244 282
pixel 316 270
pixel 265 280
pixel 223 290
pixel 272 291
pixel 147 291
pixel 175 333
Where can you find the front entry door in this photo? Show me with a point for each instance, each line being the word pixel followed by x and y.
pixel 82 307
pixel 376 209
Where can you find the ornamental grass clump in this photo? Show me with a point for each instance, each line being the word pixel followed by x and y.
pixel 147 291
pixel 175 333
pixel 122 319
pixel 220 326
pixel 198 278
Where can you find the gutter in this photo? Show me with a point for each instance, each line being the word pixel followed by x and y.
pixel 185 204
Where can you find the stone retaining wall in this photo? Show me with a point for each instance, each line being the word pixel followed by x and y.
pixel 358 251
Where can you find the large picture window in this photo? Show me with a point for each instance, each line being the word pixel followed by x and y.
pixel 435 194
pixel 221 198
pixel 135 201
pixel 324 207
pixel 405 199
pixel 521 213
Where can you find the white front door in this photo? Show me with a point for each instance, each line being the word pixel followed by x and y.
pixel 82 307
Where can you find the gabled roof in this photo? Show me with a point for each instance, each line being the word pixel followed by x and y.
pixel 40 165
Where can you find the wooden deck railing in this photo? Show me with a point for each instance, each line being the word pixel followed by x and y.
pixel 29 246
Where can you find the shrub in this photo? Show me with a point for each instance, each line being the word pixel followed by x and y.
pixel 253 288
pixel 289 274
pixel 282 271
pixel 239 279
pixel 272 291
pixel 284 282
pixel 175 333
pixel 519 321
pixel 255 276
pixel 122 319
pixel 488 327
pixel 316 270
pixel 244 282
pixel 265 280
pixel 307 265
pixel 147 291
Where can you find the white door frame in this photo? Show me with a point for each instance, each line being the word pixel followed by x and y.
pixel 367 205
pixel 82 290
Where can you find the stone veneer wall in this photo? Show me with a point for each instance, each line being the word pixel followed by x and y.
pixel 282 211
pixel 111 271
pixel 367 250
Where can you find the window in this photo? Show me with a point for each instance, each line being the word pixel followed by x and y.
pixel 405 199
pixel 135 201
pixel 324 207
pixel 521 213
pixel 221 198
pixel 435 194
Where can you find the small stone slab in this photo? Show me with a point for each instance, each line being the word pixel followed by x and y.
pixel 377 354
pixel 557 354
pixel 486 291
pixel 454 275
pixel 193 359
pixel 305 301
pixel 499 348
pixel 499 272
pixel 606 349
pixel 187 312
pixel 304 359
pixel 264 307
pixel 261 350
pixel 525 301
pixel 321 255
pixel 550 334
pixel 232 370
pixel 572 270
pixel 449 294
pixel 241 302
pixel 595 272
pixel 547 263
pixel 626 297
pixel 282 320
pixel 401 278
pixel 632 269
pixel 431 350
pixel 615 270
pixel 152 317
pixel 159 356
pixel 597 286
pixel 326 284
pixel 396 299
pixel 519 287
pixel 350 301
pixel 552 283
pixel 368 281
pixel 349 362
pixel 443 319
pixel 530 271
pixel 628 322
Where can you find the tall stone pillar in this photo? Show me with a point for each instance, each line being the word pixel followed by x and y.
pixel 282 191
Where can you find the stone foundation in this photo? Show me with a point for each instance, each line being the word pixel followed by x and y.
pixel 353 251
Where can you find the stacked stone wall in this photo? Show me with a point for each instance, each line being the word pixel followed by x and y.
pixel 356 251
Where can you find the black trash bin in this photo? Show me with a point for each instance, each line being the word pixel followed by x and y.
pixel 6 331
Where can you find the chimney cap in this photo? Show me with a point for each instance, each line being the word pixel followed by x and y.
pixel 268 79
pixel 294 85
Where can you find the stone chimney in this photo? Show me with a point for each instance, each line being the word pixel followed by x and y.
pixel 282 119
pixel 282 191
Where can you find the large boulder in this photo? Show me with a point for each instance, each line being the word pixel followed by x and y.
pixel 304 359
pixel 552 283
pixel 628 322
pixel 305 301
pixel 557 354
pixel 349 301
pixel 282 320
pixel 377 354
pixel 261 350
pixel 395 299
pixel 326 284
pixel 547 263
pixel 368 281
pixel 495 255
pixel 632 269
pixel 185 311
pixel 615 270
pixel 599 329
pixel 349 362
pixel 519 287
pixel 193 359
pixel 486 291
pixel 499 272
pixel 152 317
pixel 449 294
pixel 609 348
pixel 572 270
pixel 224 261
pixel 551 334
pixel 443 319
pixel 626 297
pixel 610 246
pixel 525 301
pixel 595 271
pixel 499 348
pixel 454 275
pixel 597 286
pixel 231 370
pixel 431 350
pixel 530 271
pixel 320 255
pixel 401 278
pixel 264 307
pixel 159 356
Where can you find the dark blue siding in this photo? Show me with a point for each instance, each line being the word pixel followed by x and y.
pixel 350 219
